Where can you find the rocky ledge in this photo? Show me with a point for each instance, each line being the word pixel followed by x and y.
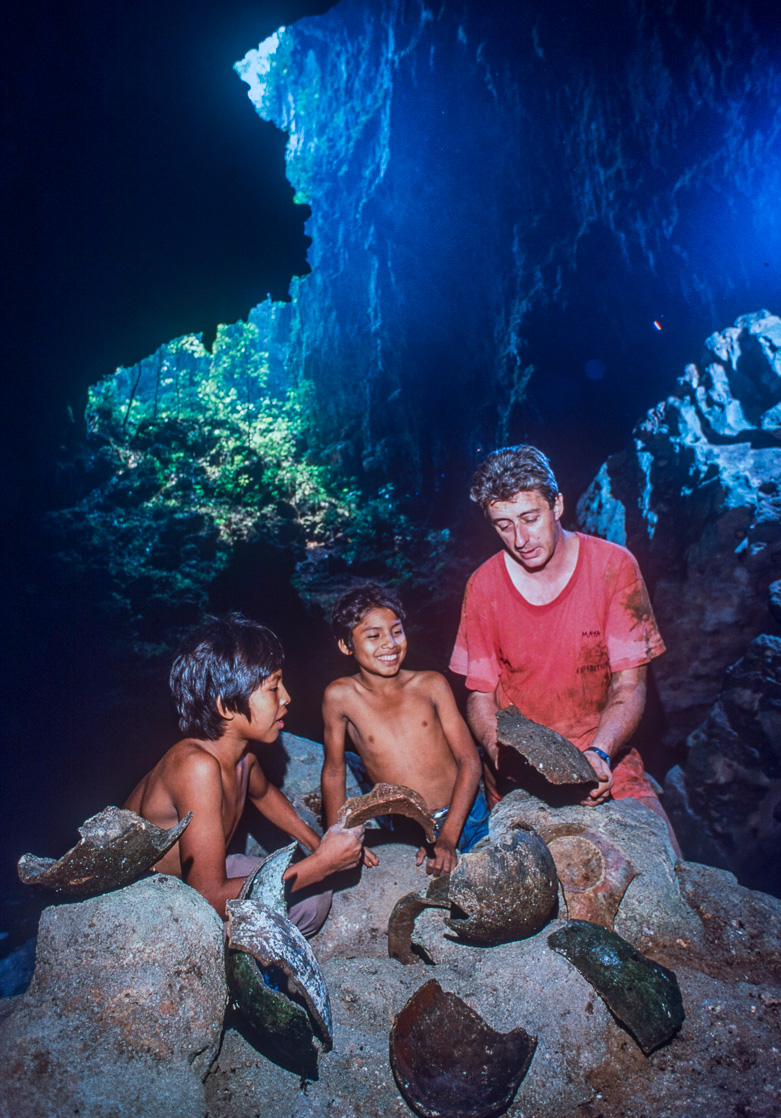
pixel 125 1011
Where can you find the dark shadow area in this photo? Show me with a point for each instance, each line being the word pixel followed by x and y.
pixel 142 196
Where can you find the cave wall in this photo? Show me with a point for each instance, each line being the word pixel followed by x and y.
pixel 501 193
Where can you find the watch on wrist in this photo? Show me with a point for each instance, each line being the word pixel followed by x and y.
pixel 600 753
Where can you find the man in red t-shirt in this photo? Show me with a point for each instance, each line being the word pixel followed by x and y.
pixel 559 624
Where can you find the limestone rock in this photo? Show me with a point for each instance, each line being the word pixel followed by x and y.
pixel 725 801
pixel 124 1013
pixel 697 499
pixel 722 941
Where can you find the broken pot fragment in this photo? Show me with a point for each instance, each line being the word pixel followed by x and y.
pixel 387 799
pixel 448 1063
pixel 406 911
pixel 116 848
pixel 552 755
pixel 271 940
pixel 643 995
pixel 594 875
pixel 506 890
pixel 274 978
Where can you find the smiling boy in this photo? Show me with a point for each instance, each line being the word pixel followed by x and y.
pixel 404 725
pixel 227 685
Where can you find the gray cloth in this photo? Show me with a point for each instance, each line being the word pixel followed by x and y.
pixel 310 908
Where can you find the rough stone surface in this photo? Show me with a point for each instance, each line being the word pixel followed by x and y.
pixel 697 498
pixel 124 1013
pixel 722 941
pixel 725 801
pixel 409 288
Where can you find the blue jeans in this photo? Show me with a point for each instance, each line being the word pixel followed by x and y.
pixel 475 825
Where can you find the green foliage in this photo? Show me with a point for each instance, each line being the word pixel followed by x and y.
pixel 209 433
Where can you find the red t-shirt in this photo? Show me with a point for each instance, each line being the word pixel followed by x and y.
pixel 554 662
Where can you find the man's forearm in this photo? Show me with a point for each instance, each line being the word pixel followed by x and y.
pixel 481 711
pixel 622 712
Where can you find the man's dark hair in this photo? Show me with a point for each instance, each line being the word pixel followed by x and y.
pixel 355 603
pixel 511 470
pixel 226 658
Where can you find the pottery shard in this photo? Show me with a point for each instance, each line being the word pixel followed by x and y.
pixel 643 995
pixel 387 799
pixel 273 941
pixel 406 911
pixel 449 1063
pixel 504 890
pixel 267 883
pixel 117 847
pixel 594 875
pixel 547 751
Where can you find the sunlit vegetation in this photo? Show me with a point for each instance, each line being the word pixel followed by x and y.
pixel 210 433
pixel 191 454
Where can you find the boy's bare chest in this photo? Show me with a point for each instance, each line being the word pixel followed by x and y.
pixel 380 717
pixel 234 795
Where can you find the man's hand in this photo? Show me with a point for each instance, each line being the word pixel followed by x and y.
pixel 443 860
pixel 370 858
pixel 603 774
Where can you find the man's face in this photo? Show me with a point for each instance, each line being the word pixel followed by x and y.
pixel 528 527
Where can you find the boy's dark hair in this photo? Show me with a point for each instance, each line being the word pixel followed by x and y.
pixel 355 603
pixel 511 470
pixel 226 658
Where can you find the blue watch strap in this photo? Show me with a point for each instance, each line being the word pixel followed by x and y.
pixel 600 753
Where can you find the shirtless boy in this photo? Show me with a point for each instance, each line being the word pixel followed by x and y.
pixel 227 685
pixel 404 725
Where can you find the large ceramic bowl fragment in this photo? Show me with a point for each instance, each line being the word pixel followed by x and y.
pixel 502 891
pixel 116 848
pixel 387 799
pixel 643 995
pixel 448 1063
pixel 552 755
pixel 274 978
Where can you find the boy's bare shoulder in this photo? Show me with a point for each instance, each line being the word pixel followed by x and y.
pixel 429 683
pixel 189 758
pixel 340 689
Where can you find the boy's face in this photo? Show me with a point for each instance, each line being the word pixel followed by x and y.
pixel 379 643
pixel 268 706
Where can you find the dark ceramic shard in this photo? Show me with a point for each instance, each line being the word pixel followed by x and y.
pixel 406 911
pixel 594 875
pixel 448 1063
pixel 643 995
pixel 116 848
pixel 257 930
pixel 387 799
pixel 547 751
pixel 507 890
